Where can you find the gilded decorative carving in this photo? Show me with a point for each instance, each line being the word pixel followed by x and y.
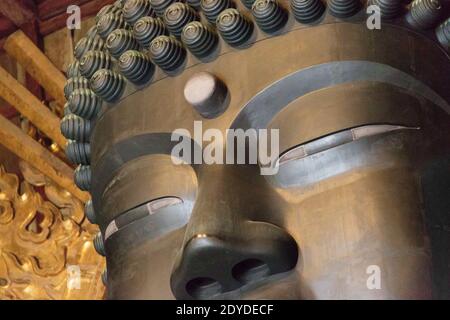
pixel 46 249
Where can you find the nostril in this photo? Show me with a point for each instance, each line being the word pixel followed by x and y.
pixel 210 266
pixel 203 287
pixel 250 270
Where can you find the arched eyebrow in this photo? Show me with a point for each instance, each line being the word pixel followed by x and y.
pixel 337 139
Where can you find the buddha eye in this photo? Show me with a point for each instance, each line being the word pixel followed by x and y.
pixel 341 152
pixel 335 140
pixel 151 194
pixel 161 216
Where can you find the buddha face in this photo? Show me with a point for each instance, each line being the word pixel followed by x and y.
pixel 361 158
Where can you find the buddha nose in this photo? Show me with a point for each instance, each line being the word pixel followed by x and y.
pixel 229 243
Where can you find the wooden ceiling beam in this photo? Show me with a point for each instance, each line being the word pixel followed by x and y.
pixel 58 22
pixel 6 27
pixel 20 47
pixel 31 107
pixel 18 11
pixel 50 14
pixel 26 148
pixel 52 8
pixel 8 112
pixel 31 30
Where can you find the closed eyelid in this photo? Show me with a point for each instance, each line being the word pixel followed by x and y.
pixel 337 139
pixel 140 212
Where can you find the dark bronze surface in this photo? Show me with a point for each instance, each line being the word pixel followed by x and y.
pixel 363 176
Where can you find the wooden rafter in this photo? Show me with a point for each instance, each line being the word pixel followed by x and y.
pixel 22 145
pixel 31 29
pixel 20 47
pixel 30 106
